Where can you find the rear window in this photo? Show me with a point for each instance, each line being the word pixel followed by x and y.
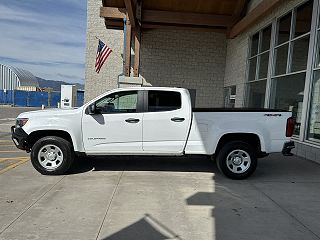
pixel 159 101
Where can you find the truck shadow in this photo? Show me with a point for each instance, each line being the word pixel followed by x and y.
pixel 144 163
pixel 272 168
pixel 227 209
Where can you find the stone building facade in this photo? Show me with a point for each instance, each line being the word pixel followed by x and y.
pixel 193 60
pixel 209 64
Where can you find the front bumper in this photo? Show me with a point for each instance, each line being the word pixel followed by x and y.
pixel 19 137
pixel 287 147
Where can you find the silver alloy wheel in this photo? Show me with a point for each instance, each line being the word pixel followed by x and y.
pixel 50 157
pixel 238 161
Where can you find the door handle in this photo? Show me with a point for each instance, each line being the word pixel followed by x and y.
pixel 132 120
pixel 177 119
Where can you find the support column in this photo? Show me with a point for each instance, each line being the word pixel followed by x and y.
pixel 127 56
pixel 137 37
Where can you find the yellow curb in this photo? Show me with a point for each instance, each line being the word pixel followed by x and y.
pixel 5 141
pixel 13 166
pixel 14 158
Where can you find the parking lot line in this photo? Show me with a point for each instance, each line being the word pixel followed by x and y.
pixel 13 158
pixel 10 151
pixel 13 166
pixel 5 141
pixel 7 119
pixel 11 145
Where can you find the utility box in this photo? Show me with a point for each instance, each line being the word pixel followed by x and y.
pixel 68 96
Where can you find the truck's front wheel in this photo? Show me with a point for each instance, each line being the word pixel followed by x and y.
pixel 237 160
pixel 52 155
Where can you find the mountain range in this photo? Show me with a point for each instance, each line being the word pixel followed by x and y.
pixel 56 85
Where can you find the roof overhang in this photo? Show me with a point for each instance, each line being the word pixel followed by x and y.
pixel 225 16
pixel 201 15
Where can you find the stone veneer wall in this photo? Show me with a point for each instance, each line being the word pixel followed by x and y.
pixel 193 60
pixel 96 84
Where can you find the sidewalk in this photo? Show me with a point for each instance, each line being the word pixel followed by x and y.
pixel 162 198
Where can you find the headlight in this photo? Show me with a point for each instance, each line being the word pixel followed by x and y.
pixel 20 122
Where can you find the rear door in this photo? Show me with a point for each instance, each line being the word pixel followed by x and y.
pixel 166 121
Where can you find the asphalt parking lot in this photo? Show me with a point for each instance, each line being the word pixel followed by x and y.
pixel 10 156
pixel 155 198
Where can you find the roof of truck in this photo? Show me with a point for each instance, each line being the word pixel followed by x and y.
pixel 150 88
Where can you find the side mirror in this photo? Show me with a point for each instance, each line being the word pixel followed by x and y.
pixel 92 109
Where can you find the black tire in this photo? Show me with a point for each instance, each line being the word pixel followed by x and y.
pixel 234 171
pixel 67 156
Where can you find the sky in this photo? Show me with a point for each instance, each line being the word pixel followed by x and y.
pixel 45 37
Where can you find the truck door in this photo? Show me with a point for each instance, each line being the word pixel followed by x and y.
pixel 166 121
pixel 116 127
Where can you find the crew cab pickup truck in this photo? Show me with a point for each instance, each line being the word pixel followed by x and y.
pixel 152 121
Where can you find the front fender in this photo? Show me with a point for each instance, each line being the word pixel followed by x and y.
pixel 70 125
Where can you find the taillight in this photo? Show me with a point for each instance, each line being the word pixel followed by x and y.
pixel 290 127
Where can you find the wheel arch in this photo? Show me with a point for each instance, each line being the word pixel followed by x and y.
pixel 36 135
pixel 250 138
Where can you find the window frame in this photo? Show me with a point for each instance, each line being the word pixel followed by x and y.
pixel 310 62
pixel 259 53
pixel 290 42
pixel 313 34
pixel 258 56
pixel 313 57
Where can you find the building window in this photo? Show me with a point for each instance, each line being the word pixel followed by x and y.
pixel 279 63
pixel 314 119
pixel 287 94
pixel 229 97
pixel 313 133
pixel 258 67
pixel 256 94
pixel 290 61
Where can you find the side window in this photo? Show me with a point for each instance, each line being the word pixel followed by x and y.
pixel 120 102
pixel 159 101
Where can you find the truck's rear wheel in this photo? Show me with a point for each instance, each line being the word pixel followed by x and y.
pixel 52 155
pixel 237 160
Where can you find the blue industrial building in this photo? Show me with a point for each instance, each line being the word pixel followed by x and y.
pixel 19 87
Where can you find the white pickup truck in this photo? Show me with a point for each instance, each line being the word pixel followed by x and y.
pixel 152 121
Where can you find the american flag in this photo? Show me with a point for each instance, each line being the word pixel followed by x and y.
pixel 103 53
